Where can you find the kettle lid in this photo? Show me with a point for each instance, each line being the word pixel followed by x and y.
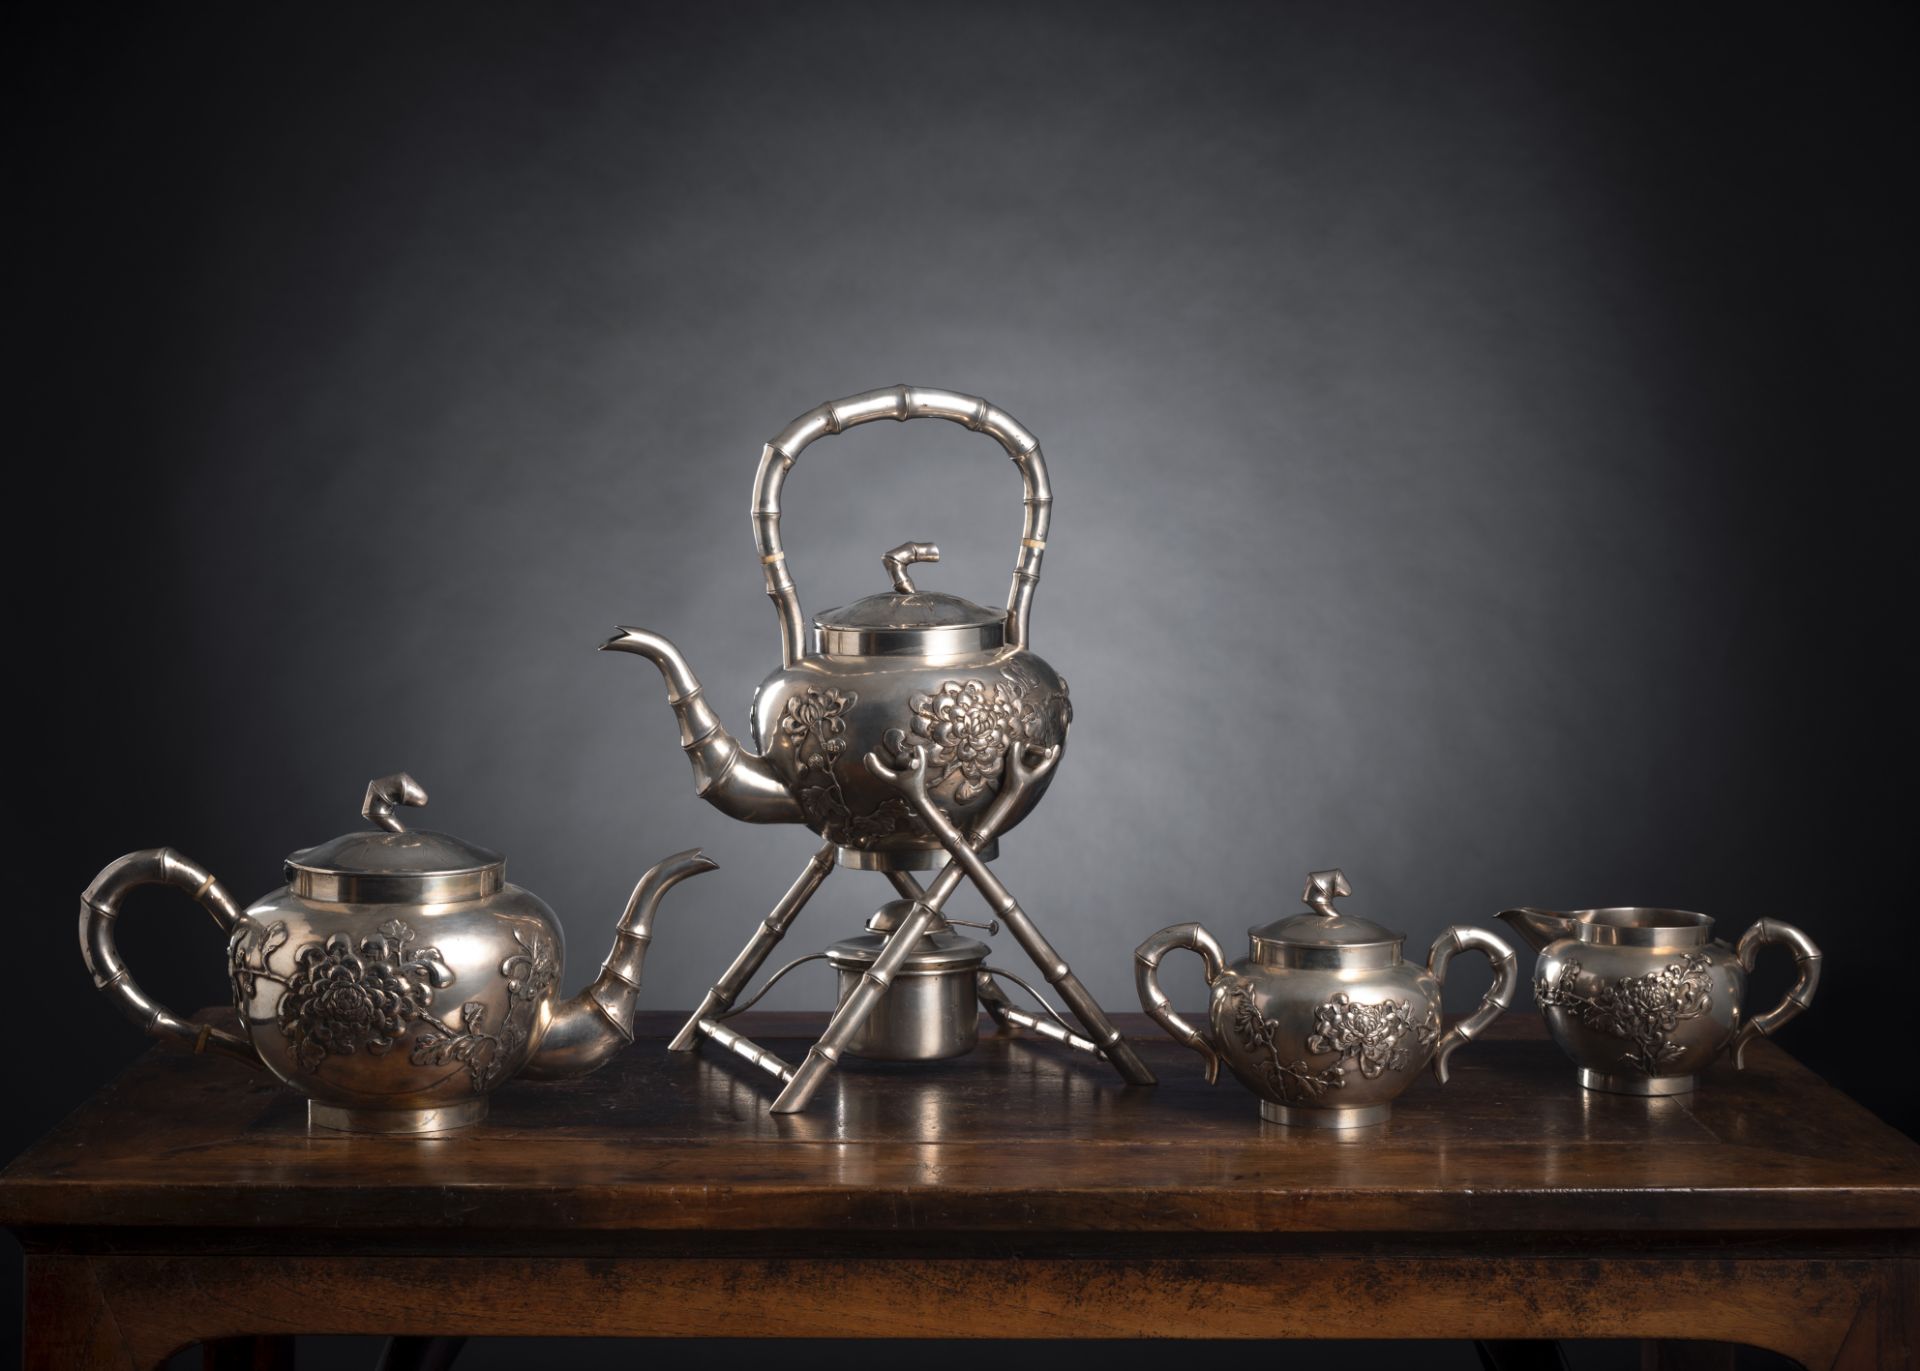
pixel 1323 936
pixel 907 620
pixel 394 864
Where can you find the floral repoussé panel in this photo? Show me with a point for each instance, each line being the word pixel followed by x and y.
pixel 1643 1010
pixel 341 998
pixel 1376 1038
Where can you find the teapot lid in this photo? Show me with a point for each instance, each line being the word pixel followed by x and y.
pixel 1324 937
pixel 907 621
pixel 395 864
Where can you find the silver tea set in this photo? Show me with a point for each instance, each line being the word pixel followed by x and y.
pixel 396 980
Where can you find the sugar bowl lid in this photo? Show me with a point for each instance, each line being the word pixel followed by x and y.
pixel 394 864
pixel 907 620
pixel 1323 936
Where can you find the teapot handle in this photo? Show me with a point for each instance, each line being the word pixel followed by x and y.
pixel 1805 955
pixel 100 907
pixel 1146 975
pixel 900 403
pixel 1506 977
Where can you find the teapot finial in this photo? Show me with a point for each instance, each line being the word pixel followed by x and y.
pixel 1323 887
pixel 388 794
pixel 898 559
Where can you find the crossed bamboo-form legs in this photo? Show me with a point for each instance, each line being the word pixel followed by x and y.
pixel 759 947
pixel 911 782
pixel 964 863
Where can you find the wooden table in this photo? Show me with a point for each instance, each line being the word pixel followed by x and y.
pixel 1017 1193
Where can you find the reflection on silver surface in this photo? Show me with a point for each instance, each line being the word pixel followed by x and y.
pixel 918 729
pixel 397 980
pixel 1643 999
pixel 1323 1020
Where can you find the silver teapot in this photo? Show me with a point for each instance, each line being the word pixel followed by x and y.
pixel 396 979
pixel 896 674
pixel 1643 999
pixel 1324 1020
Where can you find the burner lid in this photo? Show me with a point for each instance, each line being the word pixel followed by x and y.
pixel 936 953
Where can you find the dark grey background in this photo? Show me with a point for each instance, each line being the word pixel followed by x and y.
pixel 1473 429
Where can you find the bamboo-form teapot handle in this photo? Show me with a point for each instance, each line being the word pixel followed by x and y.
pixel 1146 975
pixel 100 908
pixel 900 403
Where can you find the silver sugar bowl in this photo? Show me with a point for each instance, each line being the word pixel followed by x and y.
pixel 1643 999
pixel 1324 1020
pixel 396 979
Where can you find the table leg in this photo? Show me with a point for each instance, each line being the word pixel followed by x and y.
pixel 420 1354
pixel 1519 1354
pixel 1671 1354
pixel 247 1354
pixel 1886 1331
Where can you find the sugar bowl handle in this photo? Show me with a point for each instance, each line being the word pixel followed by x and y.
pixel 1805 954
pixel 1506 976
pixel 1146 975
pixel 100 907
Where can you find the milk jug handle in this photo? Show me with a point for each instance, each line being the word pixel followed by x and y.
pixel 100 909
pixel 1146 975
pixel 1805 955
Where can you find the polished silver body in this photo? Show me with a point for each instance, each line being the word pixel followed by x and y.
pixel 909 730
pixel 397 979
pixel 882 675
pixel 1324 1020
pixel 1643 999
pixel 931 1009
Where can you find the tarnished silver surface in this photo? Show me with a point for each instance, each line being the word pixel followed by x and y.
pixel 397 979
pixel 1323 1020
pixel 1643 999
pixel 902 738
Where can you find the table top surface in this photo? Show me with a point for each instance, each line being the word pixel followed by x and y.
pixel 1020 1135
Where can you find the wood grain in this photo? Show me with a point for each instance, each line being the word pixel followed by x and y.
pixel 1018 1192
pixel 1016 1136
pixel 1802 1309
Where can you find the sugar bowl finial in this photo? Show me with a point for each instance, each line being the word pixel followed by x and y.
pixel 1323 888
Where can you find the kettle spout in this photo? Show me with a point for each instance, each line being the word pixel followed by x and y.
pixel 733 780
pixel 1537 927
pixel 587 1030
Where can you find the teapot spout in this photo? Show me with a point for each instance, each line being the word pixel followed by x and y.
pixel 587 1030
pixel 1537 927
pixel 733 780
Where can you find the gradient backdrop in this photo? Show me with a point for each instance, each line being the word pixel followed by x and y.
pixel 1473 433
